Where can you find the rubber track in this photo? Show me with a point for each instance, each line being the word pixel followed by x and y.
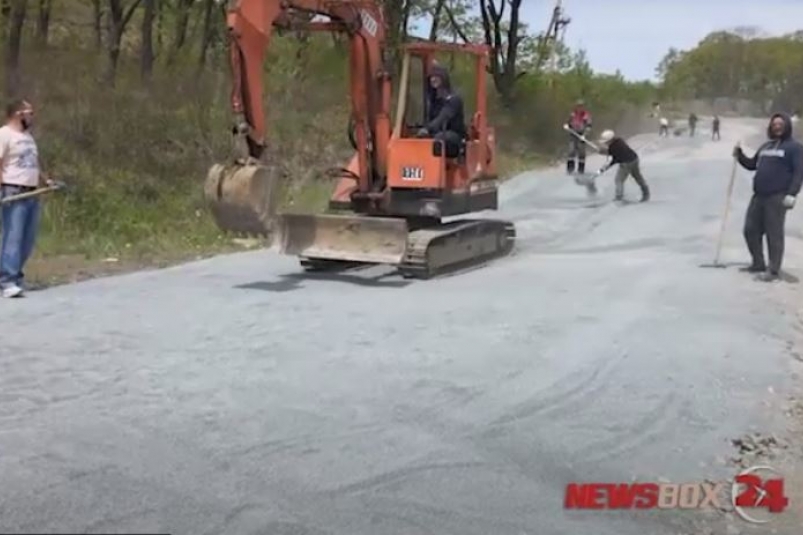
pixel 457 244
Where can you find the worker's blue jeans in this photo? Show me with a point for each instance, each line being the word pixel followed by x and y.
pixel 20 224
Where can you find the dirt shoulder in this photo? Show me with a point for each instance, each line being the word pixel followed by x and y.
pixel 782 451
pixel 44 271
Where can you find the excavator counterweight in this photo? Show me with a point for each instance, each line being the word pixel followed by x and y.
pixel 391 199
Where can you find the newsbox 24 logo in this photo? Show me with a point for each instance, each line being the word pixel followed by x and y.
pixel 753 497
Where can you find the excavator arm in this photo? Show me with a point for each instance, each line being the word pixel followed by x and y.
pixel 251 24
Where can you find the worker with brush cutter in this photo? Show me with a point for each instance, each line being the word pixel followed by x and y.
pixel 579 123
pixel 778 164
pixel 619 152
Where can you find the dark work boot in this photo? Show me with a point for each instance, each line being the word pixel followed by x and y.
pixel 581 167
pixel 570 167
pixel 754 268
pixel 769 276
pixel 645 195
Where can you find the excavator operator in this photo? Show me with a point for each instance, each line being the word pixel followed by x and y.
pixel 444 113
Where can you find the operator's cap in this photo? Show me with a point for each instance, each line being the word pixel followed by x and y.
pixel 606 136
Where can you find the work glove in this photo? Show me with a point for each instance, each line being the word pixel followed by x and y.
pixel 422 132
pixel 737 150
pixel 789 201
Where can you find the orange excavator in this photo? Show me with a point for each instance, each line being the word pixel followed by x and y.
pixel 395 200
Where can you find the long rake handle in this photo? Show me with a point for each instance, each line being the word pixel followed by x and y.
pixel 581 138
pixel 726 212
pixel 27 194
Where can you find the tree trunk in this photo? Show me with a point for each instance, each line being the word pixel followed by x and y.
pixel 19 9
pixel 43 22
pixel 97 23
pixel 183 8
pixel 436 19
pixel 146 54
pixel 5 13
pixel 208 34
pixel 503 39
pixel 397 15
pixel 119 17
pixel 160 8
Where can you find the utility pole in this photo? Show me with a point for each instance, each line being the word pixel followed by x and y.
pixel 554 35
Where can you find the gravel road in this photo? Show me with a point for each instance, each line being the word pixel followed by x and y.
pixel 239 396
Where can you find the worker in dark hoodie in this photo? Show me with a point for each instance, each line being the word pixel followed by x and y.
pixel 778 164
pixel 445 120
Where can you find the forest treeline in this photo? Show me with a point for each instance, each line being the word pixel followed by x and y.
pixel 738 64
pixel 132 99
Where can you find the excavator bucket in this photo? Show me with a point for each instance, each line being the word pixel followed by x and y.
pixel 349 238
pixel 243 198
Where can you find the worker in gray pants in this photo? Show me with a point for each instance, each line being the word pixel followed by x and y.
pixel 778 166
pixel 619 152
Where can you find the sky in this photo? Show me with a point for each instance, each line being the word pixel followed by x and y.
pixel 634 35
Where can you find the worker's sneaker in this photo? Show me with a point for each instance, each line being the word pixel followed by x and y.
pixel 12 291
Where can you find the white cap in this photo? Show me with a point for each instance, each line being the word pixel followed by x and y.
pixel 606 136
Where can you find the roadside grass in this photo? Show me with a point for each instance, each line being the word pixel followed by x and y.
pixel 177 228
pixel 135 155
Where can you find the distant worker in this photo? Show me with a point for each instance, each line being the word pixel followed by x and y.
pixel 663 131
pixel 692 124
pixel 778 164
pixel 580 122
pixel 445 113
pixel 619 152
pixel 715 128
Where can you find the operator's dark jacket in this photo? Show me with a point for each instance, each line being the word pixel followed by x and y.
pixel 445 114
pixel 778 163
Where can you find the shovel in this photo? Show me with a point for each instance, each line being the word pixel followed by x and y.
pixel 53 185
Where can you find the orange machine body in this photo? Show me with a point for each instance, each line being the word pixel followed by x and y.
pixel 398 186
pixel 419 180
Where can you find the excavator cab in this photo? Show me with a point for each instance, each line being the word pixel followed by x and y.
pixel 422 177
pixel 397 188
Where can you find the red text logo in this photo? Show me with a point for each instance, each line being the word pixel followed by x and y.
pixel 752 492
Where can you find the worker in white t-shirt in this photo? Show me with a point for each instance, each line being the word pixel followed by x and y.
pixel 664 129
pixel 19 172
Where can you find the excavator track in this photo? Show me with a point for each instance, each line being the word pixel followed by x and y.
pixel 434 250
